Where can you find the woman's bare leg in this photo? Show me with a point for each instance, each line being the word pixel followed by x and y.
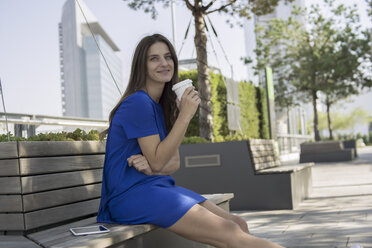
pixel 224 214
pixel 200 224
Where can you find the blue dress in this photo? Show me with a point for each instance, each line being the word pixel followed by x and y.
pixel 129 196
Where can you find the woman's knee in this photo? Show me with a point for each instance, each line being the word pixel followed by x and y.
pixel 232 231
pixel 230 225
pixel 241 222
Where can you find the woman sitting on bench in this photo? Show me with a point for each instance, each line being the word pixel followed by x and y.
pixel 145 132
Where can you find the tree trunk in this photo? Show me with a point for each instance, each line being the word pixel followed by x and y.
pixel 205 112
pixel 329 120
pixel 316 130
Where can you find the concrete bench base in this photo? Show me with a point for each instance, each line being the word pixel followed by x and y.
pixel 344 155
pixel 229 167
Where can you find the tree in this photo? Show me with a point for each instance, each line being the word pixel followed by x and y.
pixel 369 10
pixel 344 121
pixel 330 55
pixel 345 65
pixel 199 10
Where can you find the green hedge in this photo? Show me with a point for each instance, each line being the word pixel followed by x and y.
pixel 76 135
pixel 249 112
pixel 219 106
pixel 193 129
pixel 253 110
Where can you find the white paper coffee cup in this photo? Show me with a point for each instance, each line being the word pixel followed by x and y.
pixel 180 87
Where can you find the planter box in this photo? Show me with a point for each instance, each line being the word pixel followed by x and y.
pixel 227 167
pixel 44 186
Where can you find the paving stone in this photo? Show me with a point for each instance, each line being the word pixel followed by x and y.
pixel 366 242
pixel 338 212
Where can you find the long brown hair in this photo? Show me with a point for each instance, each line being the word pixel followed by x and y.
pixel 137 80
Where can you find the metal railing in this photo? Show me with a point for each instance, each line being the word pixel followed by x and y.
pixel 290 143
pixel 37 120
pixel 27 123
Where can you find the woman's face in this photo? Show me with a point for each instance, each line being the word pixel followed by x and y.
pixel 160 66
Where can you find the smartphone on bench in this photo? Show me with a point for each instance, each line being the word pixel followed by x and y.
pixel 86 230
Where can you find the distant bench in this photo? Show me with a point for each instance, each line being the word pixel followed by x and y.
pixel 326 151
pixel 249 169
pixel 48 187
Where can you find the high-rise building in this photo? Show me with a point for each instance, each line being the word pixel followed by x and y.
pixel 289 121
pixel 282 11
pixel 88 89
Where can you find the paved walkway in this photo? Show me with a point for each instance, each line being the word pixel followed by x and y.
pixel 337 214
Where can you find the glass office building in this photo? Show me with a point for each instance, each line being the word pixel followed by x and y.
pixel 287 121
pixel 88 89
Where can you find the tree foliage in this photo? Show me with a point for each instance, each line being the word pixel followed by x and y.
pixel 77 135
pixel 329 55
pixel 236 9
pixel 344 121
pixel 369 9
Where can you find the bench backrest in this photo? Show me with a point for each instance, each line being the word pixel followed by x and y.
pixel 323 146
pixel 45 183
pixel 263 154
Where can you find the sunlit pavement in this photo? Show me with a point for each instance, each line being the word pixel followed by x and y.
pixel 337 214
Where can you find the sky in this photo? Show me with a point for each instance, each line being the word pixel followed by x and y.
pixel 29 53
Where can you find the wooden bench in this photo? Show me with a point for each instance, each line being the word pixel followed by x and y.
pixel 266 161
pixel 325 151
pixel 249 169
pixel 48 187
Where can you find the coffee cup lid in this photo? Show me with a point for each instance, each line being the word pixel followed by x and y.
pixel 181 84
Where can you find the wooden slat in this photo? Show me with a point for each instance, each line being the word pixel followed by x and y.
pixel 60 197
pixel 119 233
pixel 10 241
pixel 60 233
pixel 270 157
pixel 60 148
pixel 267 165
pixel 286 169
pixel 58 214
pixel 264 159
pixel 11 222
pixel 33 184
pixel 9 167
pixel 262 148
pixel 10 203
pixel 262 153
pixel 10 185
pixel 44 165
pixel 8 150
pixel 59 237
pixel 260 141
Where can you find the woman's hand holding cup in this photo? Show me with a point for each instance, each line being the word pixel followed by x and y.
pixel 187 98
